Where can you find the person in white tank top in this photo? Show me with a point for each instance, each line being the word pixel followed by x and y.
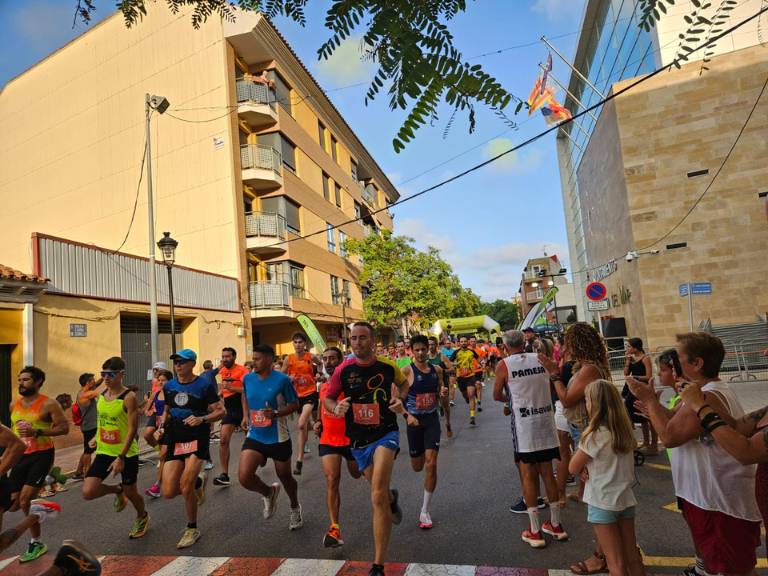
pixel 716 492
pixel 523 384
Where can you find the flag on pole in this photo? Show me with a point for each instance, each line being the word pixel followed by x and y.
pixel 554 112
pixel 537 97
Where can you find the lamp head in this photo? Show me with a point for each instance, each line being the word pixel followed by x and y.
pixel 159 103
pixel 167 246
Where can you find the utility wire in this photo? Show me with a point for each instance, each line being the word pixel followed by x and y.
pixel 538 136
pixel 135 200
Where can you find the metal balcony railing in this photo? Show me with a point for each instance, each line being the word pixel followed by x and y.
pixel 265 224
pixel 248 91
pixel 534 295
pixel 269 294
pixel 262 157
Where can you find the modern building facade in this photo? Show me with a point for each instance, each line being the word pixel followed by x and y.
pixel 255 173
pixel 631 169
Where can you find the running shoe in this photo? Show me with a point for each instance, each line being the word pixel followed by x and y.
pixel 140 527
pixel 519 507
pixel 189 537
pixel 297 469
pixel 332 538
pixel 541 503
pixel 296 521
pixel 73 559
pixel 77 476
pixel 33 552
pixel 270 503
pixel 208 465
pixel 397 513
pixel 200 488
pixel 535 539
pixel 221 480
pixel 44 510
pixel 557 532
pixel 121 501
pixel 472 421
pixel 479 407
pixel 307 448
pixel 449 432
pixel 153 491
pixel 425 521
pixel 376 570
pixel 571 481
pixel 451 403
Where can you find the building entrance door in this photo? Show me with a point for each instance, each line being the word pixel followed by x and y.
pixel 135 347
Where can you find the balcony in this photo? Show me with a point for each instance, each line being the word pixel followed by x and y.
pixel 262 166
pixel 263 230
pixel 269 295
pixel 369 195
pixel 256 104
pixel 534 295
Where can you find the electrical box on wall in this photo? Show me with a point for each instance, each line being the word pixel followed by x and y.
pixel 240 332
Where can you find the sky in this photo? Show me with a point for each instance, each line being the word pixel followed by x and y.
pixel 487 224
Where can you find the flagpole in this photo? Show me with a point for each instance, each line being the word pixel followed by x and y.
pixel 575 71
pixel 564 89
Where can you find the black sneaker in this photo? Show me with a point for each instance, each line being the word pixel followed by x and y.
pixel 297 469
pixel 222 480
pixel 519 507
pixel 397 513
pixel 376 570
pixel 479 408
pixel 74 560
pixel 472 421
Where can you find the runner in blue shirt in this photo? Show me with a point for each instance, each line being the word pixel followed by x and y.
pixel 268 398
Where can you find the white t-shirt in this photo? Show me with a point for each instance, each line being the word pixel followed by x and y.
pixel 611 475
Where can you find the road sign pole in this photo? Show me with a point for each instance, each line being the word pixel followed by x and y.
pixel 690 306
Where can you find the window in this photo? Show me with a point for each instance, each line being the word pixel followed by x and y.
pixel 353 170
pixel 288 151
pixel 326 187
pixel 321 131
pixel 337 194
pixel 275 272
pixel 358 211
pixel 331 237
pixel 282 90
pixel 292 216
pixel 342 246
pixel 297 281
pixel 334 145
pixel 335 294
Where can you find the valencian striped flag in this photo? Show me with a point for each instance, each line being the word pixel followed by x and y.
pixel 540 92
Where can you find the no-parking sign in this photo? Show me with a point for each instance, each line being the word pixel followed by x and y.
pixel 596 291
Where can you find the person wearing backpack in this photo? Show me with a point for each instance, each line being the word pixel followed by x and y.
pixel 84 416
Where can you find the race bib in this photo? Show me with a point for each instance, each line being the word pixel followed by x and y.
pixel 425 401
pixel 259 419
pixel 465 372
pixel 366 414
pixel 183 448
pixel 109 436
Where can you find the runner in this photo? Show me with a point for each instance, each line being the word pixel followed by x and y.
pixel 86 399
pixel 425 385
pixel 117 451
pixel 402 356
pixel 368 384
pixel 301 368
pixel 449 351
pixel 154 411
pixel 466 362
pixel 36 419
pixel 522 383
pixel 268 398
pixel 479 370
pixel 334 445
pixel 437 359
pixel 232 375
pixel 192 403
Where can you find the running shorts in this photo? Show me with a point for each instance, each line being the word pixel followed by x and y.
pixel 364 454
pixel 32 469
pixel 100 468
pixel 425 436
pixel 538 456
pixel 464 383
pixel 5 493
pixel 328 450
pixel 279 452
pixel 234 407
pixel 88 435
pixel 183 441
pixel 313 399
pixel 727 545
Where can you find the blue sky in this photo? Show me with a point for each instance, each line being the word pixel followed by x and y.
pixel 486 224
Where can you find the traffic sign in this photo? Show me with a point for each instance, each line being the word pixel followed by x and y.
pixel 683 288
pixel 596 291
pixel 702 288
pixel 599 305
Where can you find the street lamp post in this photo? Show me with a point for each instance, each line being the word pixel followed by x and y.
pixel 168 246
pixel 345 300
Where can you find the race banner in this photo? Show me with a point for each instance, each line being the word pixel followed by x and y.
pixel 312 332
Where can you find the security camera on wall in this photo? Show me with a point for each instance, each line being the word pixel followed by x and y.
pixel 630 256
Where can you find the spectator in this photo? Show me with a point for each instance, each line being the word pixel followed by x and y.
pixel 715 491
pixel 638 365
pixel 86 399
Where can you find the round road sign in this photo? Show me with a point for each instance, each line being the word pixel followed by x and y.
pixel 596 291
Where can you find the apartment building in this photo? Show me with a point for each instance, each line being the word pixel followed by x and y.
pixel 631 170
pixel 539 275
pixel 256 174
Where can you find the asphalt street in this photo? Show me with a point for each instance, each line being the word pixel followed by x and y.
pixel 472 525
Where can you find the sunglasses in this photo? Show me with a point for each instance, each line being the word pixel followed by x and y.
pixel 179 361
pixel 110 373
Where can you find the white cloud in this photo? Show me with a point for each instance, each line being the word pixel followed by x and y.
pixel 514 161
pixel 45 25
pixel 420 232
pixel 345 65
pixel 558 9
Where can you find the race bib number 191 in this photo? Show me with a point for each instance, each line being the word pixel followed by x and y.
pixel 366 414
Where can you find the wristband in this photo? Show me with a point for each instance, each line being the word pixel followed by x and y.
pixel 715 426
pixel 698 412
pixel 710 419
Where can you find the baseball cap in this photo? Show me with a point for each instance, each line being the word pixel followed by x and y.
pixel 160 366
pixel 185 354
pixel 85 378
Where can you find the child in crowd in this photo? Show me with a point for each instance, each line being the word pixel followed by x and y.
pixel 670 373
pixel 154 412
pixel 606 454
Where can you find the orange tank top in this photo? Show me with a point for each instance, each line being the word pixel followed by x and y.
pixel 334 427
pixel 302 372
pixel 24 417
